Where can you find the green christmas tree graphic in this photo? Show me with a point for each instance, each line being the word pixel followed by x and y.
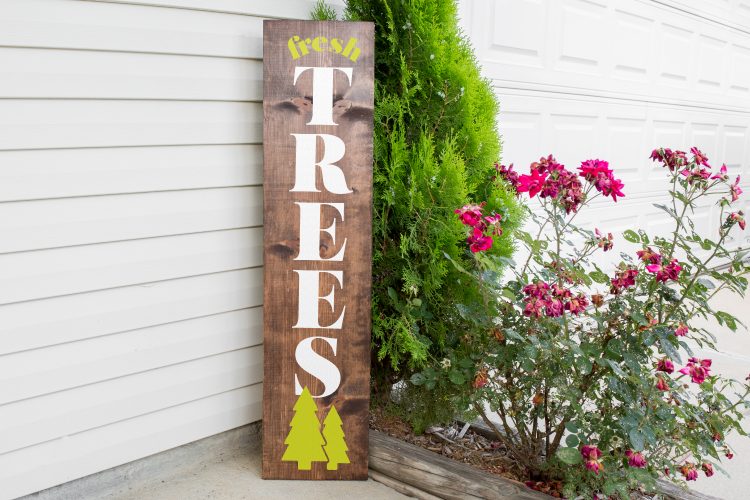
pixel 304 441
pixel 335 446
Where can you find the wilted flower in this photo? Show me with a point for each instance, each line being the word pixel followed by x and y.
pixel 635 459
pixel 481 379
pixel 665 273
pixel 708 469
pixel 591 455
pixel 734 190
pixel 597 299
pixel 623 279
pixel 737 217
pixel 508 174
pixel 699 157
pixel 689 471
pixel 537 399
pixel 648 255
pixel 661 384
pixel 698 369
pixel 681 330
pixel 665 365
pixel 604 242
pixel 576 305
pixel 671 159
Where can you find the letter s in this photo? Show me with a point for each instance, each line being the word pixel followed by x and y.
pixel 317 366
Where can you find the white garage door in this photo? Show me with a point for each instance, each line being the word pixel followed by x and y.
pixel 612 79
pixel 130 238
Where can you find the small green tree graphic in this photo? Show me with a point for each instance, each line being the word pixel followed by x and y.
pixel 304 441
pixel 335 443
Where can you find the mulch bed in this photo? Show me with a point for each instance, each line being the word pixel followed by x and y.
pixel 463 445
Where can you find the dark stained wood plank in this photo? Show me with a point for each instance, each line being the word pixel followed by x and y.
pixel 441 476
pixel 287 110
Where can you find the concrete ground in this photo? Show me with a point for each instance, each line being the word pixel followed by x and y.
pixel 236 476
pixel 732 360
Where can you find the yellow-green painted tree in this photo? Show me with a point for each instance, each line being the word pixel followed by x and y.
pixel 335 446
pixel 304 441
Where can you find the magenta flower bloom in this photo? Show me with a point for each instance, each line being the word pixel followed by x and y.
pixel 722 175
pixel 470 215
pixel 599 174
pixel 554 307
pixel 532 183
pixel 538 289
pixel 635 459
pixel 665 273
pixel 623 279
pixel 708 469
pixel 534 307
pixel 478 242
pixel 665 365
pixel 591 455
pixel 689 471
pixel 681 330
pixel 661 384
pixel 698 369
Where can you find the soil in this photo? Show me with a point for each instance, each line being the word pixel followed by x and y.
pixel 470 448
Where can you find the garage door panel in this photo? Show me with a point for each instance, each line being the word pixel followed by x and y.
pixel 634 49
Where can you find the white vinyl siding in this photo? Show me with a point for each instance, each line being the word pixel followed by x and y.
pixel 613 79
pixel 130 229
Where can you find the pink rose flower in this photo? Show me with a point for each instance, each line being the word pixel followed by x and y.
pixel 665 365
pixel 665 273
pixel 670 159
pixel 623 279
pixel 577 304
pixel 532 183
pixel 599 174
pixel 635 459
pixel 591 455
pixel 699 157
pixel 470 215
pixel 661 384
pixel 648 255
pixel 478 242
pixel 698 369
pixel 681 330
pixel 722 175
pixel 737 217
pixel 734 190
pixel 508 174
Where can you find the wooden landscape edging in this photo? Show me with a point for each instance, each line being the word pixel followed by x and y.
pixel 422 471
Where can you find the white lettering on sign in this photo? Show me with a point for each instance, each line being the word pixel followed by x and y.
pixel 322 107
pixel 317 366
pixel 306 162
pixel 309 299
pixel 334 181
pixel 309 231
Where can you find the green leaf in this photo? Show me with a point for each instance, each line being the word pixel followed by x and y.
pixel 456 377
pixel 508 294
pixel 418 379
pixel 637 441
pixel 570 456
pixel 631 236
pixel 599 277
pixel 572 440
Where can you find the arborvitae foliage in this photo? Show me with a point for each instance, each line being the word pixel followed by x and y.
pixel 335 446
pixel 304 441
pixel 436 144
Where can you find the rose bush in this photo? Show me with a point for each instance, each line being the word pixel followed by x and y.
pixel 588 377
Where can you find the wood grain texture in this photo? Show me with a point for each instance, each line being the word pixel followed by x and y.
pixel 440 476
pixel 353 106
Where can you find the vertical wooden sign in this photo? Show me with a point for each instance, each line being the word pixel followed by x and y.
pixel 317 146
